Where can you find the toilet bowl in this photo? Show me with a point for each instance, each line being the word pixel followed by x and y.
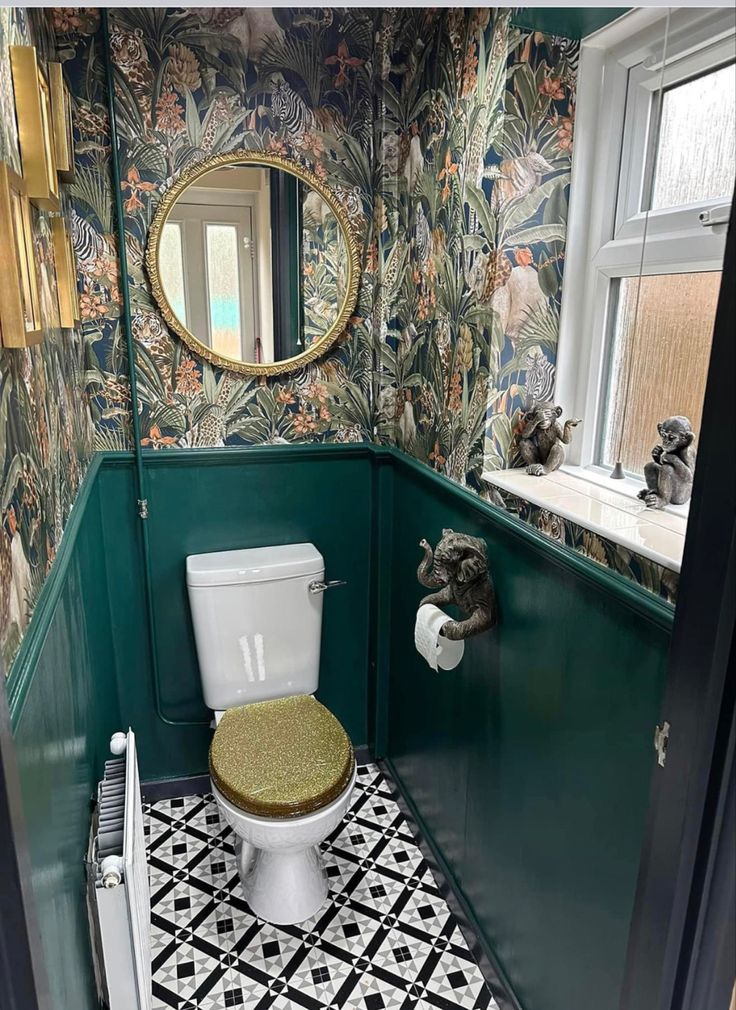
pixel 279 861
pixel 282 766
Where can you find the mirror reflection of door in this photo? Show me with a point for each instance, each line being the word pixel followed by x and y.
pixel 215 263
pixel 252 262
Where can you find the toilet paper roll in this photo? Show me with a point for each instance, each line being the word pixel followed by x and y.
pixel 437 650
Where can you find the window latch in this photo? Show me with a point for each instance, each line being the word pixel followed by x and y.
pixel 715 215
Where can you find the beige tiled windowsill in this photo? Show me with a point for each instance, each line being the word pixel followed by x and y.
pixel 659 536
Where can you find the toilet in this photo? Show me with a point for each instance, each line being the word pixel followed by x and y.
pixel 282 766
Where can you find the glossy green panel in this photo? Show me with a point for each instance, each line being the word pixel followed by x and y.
pixel 528 766
pixel 569 22
pixel 213 501
pixel 530 763
pixel 62 721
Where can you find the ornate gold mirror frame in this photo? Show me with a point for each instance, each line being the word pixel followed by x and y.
pixel 258 159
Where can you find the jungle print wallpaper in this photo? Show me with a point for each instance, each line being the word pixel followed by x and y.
pixel 471 208
pixel 46 429
pixel 191 83
pixel 447 135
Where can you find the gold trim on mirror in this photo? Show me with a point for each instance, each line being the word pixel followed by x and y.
pixel 263 159
pixel 35 128
pixel 20 304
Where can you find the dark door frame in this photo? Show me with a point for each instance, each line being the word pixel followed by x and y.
pixel 23 982
pixel 672 946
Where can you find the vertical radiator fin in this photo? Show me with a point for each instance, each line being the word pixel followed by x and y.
pixel 118 874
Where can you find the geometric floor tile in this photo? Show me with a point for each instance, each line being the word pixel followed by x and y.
pixel 385 940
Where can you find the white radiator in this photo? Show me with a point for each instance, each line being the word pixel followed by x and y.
pixel 120 907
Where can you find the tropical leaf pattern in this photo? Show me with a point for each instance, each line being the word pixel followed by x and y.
pixel 190 84
pixel 447 135
pixel 471 207
pixel 46 430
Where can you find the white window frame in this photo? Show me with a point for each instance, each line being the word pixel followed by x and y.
pixel 620 71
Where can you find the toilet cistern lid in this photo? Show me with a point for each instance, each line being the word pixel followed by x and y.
pixel 281 758
pixel 253 564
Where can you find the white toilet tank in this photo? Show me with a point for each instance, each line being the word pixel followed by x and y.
pixel 256 624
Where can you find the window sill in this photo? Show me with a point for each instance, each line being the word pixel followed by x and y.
pixel 629 487
pixel 616 516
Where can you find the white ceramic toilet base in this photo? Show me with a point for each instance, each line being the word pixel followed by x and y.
pixel 279 860
pixel 286 888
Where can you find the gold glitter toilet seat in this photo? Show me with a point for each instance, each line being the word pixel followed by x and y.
pixel 282 758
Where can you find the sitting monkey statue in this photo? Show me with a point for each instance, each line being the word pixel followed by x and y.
pixel 669 476
pixel 459 568
pixel 542 441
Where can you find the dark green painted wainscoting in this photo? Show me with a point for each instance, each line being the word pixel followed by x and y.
pixel 527 766
pixel 64 708
pixel 212 500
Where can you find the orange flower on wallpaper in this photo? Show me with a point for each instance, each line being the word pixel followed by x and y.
pixel 551 87
pixel 156 439
pixel 436 458
pixel 344 61
pixel 303 423
pixel 134 185
pixel 169 118
pixel 446 173
pixel 285 396
pixel 317 391
pixel 524 257
pixel 91 305
pixel 564 132
pixel 187 378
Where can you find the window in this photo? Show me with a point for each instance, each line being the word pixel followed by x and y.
pixel 652 181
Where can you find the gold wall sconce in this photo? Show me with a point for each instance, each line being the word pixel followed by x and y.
pixel 66 274
pixel 35 127
pixel 61 114
pixel 20 304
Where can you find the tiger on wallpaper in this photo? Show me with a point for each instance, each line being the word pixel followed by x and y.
pixel 129 54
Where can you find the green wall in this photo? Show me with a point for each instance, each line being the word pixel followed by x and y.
pixel 570 22
pixel 529 764
pixel 213 500
pixel 527 767
pixel 64 708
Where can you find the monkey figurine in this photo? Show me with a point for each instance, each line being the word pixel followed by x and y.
pixel 669 476
pixel 542 441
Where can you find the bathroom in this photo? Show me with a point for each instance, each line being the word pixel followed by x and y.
pixel 306 315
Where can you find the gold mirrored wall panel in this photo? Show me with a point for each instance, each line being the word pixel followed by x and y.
pixel 253 263
pixel 20 313
pixel 35 128
pixel 61 115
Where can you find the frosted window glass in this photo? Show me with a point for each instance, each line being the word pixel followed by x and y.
pixel 224 289
pixel 666 359
pixel 171 268
pixel 696 149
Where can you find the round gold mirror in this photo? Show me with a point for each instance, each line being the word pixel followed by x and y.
pixel 253 263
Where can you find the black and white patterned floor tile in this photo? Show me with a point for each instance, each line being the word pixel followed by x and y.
pixel 385 940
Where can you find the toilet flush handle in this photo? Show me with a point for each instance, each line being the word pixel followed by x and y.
pixel 319 587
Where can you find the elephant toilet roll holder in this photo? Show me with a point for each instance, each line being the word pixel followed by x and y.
pixel 458 570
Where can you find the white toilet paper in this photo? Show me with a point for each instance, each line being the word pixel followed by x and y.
pixel 437 650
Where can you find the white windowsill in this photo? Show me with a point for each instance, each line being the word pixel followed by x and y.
pixel 628 487
pixel 594 505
